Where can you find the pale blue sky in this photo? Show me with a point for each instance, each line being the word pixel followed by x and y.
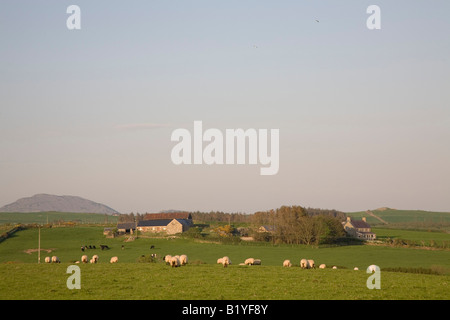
pixel 364 115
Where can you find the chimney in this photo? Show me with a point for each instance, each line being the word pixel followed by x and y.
pixel 364 219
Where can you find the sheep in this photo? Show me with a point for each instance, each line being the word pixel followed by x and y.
pixel 334 267
pixel 174 262
pixel 95 258
pixel 372 268
pixel 322 266
pixel 92 260
pixel 311 264
pixel 114 260
pixel 220 261
pixel 47 260
pixel 225 261
pixel 287 263
pixel 183 259
pixel 167 258
pixel 55 259
pixel 249 261
pixel 257 262
pixel 355 268
pixel 304 263
pixel 84 259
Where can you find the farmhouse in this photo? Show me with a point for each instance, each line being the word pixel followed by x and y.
pixel 359 229
pixel 127 227
pixel 269 228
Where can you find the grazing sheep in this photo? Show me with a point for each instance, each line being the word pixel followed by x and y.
pixel 47 260
pixel 183 259
pixel 226 261
pixel 304 263
pixel 355 268
pixel 249 261
pixel 174 262
pixel 311 264
pixel 114 260
pixel 92 260
pixel 55 259
pixel 95 258
pixel 287 263
pixel 322 266
pixel 334 267
pixel 84 259
pixel 167 258
pixel 220 261
pixel 372 268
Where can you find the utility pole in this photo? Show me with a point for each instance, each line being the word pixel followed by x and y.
pixel 39 245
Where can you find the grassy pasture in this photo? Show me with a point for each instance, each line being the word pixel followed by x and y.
pixel 211 282
pixel 22 278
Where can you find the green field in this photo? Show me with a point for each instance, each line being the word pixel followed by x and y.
pixel 55 217
pixel 23 278
pixel 394 216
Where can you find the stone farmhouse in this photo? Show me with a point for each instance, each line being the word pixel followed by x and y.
pixel 359 229
pixel 171 223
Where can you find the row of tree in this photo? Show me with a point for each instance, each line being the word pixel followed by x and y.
pixel 297 225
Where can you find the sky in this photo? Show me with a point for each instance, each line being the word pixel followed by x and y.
pixel 363 115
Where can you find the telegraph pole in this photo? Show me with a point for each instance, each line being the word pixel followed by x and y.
pixel 39 245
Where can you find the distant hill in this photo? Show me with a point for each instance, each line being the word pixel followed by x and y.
pixel 48 202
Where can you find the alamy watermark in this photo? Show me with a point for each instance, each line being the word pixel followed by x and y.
pixel 374 281
pixel 74 281
pixel 228 148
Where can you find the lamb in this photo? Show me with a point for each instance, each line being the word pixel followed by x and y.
pixel 183 259
pixel 322 266
pixel 311 264
pixel 84 258
pixel 249 261
pixel 174 262
pixel 92 260
pixel 287 263
pixel 304 263
pixel 114 260
pixel 55 259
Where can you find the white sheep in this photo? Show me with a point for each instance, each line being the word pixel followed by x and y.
pixel 47 260
pixel 355 268
pixel 183 259
pixel 287 263
pixel 322 266
pixel 372 268
pixel 249 261
pixel 55 259
pixel 92 260
pixel 311 264
pixel 220 261
pixel 84 259
pixel 114 260
pixel 334 267
pixel 226 261
pixel 95 258
pixel 304 263
pixel 167 258
pixel 174 262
